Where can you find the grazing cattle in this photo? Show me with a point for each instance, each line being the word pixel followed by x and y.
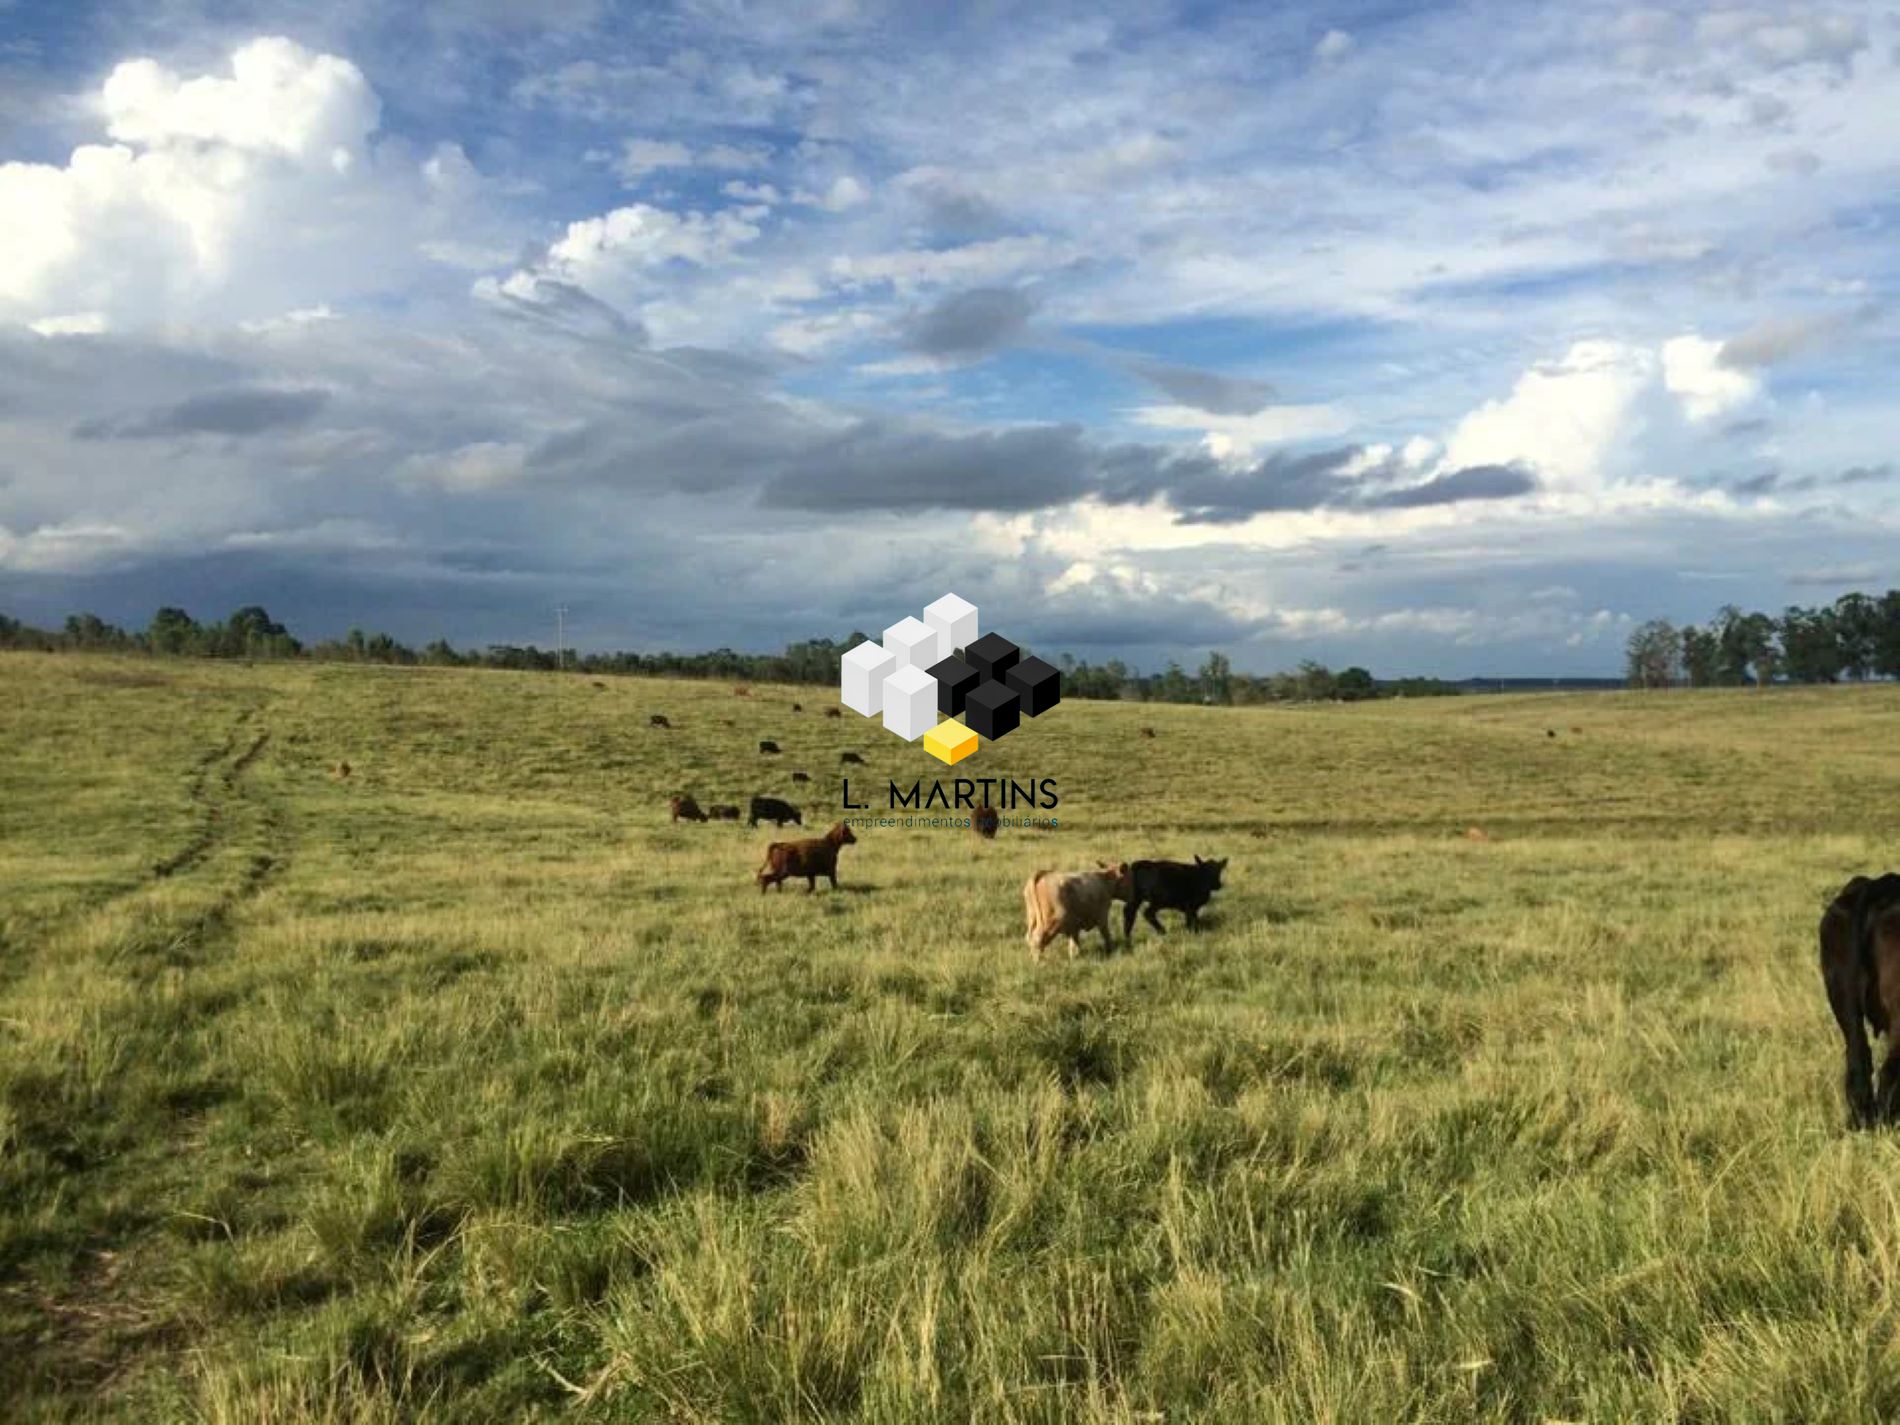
pixel 983 821
pixel 801 776
pixel 598 684
pixel 1070 903
pixel 851 758
pixel 742 692
pixel 798 707
pixel 767 745
pixel 1147 732
pixel 686 809
pixel 834 712
pixel 1576 732
pixel 1169 885
pixel 810 859
pixel 1860 964
pixel 723 813
pixel 658 720
pixel 1476 833
pixel 775 811
pixel 343 771
pixel 1550 732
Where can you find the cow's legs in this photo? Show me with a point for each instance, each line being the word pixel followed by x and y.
pixel 1844 991
pixel 1193 914
pixel 1148 914
pixel 834 880
pixel 1108 937
pixel 811 885
pixel 1128 919
pixel 1075 945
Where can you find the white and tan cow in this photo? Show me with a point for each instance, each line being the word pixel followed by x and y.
pixel 1070 903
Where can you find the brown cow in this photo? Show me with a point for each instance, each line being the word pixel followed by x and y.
pixel 1069 903
pixel 1860 964
pixel 801 776
pixel 983 821
pixel 852 758
pixel 810 859
pixel 834 712
pixel 686 809
pixel 723 813
pixel 658 720
pixel 1147 732
pixel 742 692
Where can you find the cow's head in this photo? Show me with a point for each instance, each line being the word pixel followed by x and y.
pixel 1210 871
pixel 840 835
pixel 1117 875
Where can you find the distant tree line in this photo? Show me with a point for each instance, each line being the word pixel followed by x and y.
pixel 1855 638
pixel 251 633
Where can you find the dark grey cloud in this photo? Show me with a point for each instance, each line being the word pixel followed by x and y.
pixel 1202 491
pixel 240 410
pixel 877 466
pixel 1474 482
pixel 970 324
pixel 1208 390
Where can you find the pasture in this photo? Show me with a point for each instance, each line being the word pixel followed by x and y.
pixel 467 1086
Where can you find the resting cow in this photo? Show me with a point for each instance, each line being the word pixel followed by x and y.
pixel 810 859
pixel 723 813
pixel 685 809
pixel 775 811
pixel 767 745
pixel 1860 963
pixel 1070 903
pixel 1169 885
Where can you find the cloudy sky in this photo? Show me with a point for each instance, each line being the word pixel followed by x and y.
pixel 1444 338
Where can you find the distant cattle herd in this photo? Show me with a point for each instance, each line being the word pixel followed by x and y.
pixel 1056 904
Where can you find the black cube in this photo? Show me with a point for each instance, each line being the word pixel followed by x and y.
pixel 955 679
pixel 992 656
pixel 1037 685
pixel 991 710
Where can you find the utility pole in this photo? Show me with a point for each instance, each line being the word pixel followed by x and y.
pixel 560 637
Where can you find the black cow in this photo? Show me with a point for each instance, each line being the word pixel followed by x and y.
pixel 852 758
pixel 1168 885
pixel 766 745
pixel 1860 964
pixel 775 811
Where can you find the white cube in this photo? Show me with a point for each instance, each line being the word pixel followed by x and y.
pixel 955 622
pixel 913 643
pixel 862 684
pixel 910 703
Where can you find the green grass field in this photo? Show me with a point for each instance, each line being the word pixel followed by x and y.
pixel 468 1088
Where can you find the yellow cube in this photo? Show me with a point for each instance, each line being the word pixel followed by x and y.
pixel 950 741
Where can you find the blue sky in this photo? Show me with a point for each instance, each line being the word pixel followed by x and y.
pixel 1440 338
